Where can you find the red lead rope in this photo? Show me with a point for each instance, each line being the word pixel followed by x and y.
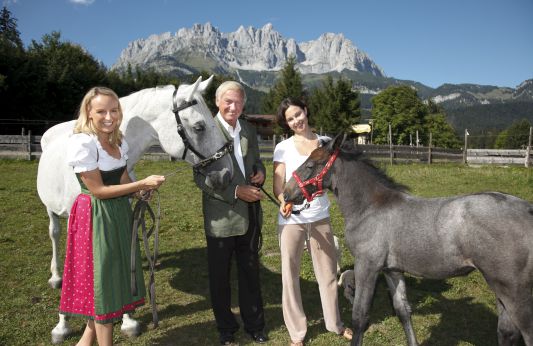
pixel 317 180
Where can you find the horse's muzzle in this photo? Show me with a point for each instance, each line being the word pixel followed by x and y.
pixel 218 180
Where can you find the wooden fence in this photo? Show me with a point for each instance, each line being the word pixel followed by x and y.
pixel 20 146
pixel 28 147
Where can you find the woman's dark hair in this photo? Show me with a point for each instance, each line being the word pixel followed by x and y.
pixel 286 103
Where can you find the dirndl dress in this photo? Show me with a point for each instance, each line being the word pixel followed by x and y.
pixel 97 273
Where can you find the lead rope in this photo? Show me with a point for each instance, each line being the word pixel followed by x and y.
pixel 139 210
pixel 273 200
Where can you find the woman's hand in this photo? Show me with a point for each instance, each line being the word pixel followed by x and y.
pixel 152 182
pixel 285 209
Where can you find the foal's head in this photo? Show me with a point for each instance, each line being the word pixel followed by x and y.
pixel 314 175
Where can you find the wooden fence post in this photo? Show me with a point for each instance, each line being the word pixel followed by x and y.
pixel 465 147
pixel 528 151
pixel 390 144
pixel 29 145
pixel 429 148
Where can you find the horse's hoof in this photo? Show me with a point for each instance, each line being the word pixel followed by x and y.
pixel 55 282
pixel 130 328
pixel 59 335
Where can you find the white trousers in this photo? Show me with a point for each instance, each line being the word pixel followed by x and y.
pixel 321 246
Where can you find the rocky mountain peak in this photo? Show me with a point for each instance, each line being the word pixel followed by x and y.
pixel 264 49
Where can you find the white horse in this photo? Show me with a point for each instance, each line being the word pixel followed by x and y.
pixel 148 119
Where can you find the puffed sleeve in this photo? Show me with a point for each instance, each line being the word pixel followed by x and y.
pixel 82 153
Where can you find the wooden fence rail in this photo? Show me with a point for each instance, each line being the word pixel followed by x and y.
pixel 29 147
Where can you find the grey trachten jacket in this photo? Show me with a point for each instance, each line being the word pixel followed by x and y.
pixel 224 215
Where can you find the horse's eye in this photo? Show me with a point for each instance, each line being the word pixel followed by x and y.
pixel 310 165
pixel 199 127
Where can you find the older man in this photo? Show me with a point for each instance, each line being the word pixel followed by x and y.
pixel 232 222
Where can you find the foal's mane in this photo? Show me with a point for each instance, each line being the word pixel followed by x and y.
pixel 352 153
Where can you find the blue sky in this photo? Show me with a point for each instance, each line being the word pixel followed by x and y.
pixel 487 42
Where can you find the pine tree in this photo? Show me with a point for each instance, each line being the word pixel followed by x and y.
pixel 9 33
pixel 335 107
pixel 289 84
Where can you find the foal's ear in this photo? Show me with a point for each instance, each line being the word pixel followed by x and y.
pixel 337 142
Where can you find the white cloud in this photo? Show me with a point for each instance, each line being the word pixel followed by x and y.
pixel 6 3
pixel 82 2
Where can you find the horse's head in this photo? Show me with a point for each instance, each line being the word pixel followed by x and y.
pixel 205 146
pixel 184 127
pixel 314 175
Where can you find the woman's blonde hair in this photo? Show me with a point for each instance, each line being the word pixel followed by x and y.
pixel 85 125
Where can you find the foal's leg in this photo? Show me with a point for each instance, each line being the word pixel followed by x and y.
pixel 365 282
pixel 508 333
pixel 520 311
pixel 517 302
pixel 396 283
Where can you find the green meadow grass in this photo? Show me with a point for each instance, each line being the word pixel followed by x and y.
pixel 457 311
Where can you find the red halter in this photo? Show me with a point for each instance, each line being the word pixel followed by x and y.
pixel 317 180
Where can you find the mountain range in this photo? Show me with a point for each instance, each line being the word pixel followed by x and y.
pixel 255 56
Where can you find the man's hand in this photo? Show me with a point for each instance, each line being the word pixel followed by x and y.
pixel 257 178
pixel 249 193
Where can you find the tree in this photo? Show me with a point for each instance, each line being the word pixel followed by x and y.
pixel 335 107
pixel 515 136
pixel 289 84
pixel 9 33
pixel 443 134
pixel 67 71
pixel 19 82
pixel 401 107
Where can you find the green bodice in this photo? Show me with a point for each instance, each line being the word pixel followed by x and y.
pixel 108 177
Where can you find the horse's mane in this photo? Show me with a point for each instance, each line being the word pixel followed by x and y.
pixel 350 152
pixel 143 92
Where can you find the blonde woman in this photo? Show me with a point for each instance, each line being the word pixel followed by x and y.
pixel 97 274
pixel 310 227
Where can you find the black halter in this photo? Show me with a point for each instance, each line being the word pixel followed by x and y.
pixel 225 149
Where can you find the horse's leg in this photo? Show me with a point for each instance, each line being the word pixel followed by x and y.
pixel 508 333
pixel 519 309
pixel 61 330
pixel 54 231
pixel 517 302
pixel 130 327
pixel 396 283
pixel 365 282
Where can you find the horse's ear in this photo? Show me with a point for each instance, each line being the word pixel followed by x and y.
pixel 337 142
pixel 203 85
pixel 193 87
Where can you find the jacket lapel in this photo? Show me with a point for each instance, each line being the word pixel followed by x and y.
pixel 244 141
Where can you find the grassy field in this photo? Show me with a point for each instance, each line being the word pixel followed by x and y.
pixel 458 311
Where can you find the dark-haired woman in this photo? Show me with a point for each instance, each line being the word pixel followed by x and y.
pixel 311 228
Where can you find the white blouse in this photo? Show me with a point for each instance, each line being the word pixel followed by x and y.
pixel 85 153
pixel 285 152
